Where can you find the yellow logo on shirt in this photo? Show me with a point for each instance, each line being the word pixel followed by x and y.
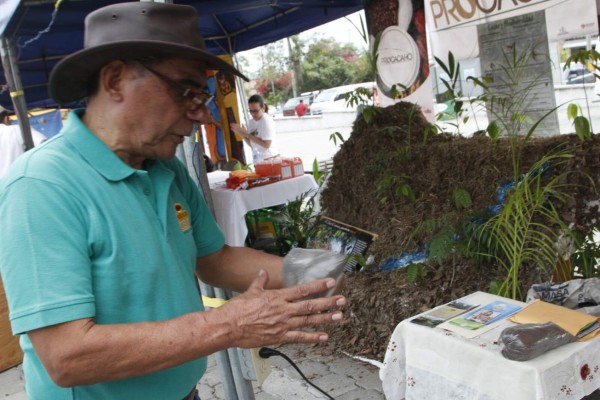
pixel 183 218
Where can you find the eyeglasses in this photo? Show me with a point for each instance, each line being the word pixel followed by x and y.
pixel 199 98
pixel 255 111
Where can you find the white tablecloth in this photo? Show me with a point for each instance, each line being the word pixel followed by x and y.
pixel 232 205
pixel 431 363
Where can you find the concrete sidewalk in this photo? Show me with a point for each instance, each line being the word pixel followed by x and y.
pixel 341 376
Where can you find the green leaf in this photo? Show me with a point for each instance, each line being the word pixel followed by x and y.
pixel 478 82
pixel 572 111
pixel 582 128
pixel 441 244
pixel 492 130
pixel 442 66
pixel 494 287
pixel 515 237
pixel 451 63
pixel 413 271
pixel 404 190
pixel 458 106
pixel 335 136
pixel 369 112
pixel 315 170
pixel 462 198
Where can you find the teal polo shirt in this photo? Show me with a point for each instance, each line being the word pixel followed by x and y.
pixel 83 235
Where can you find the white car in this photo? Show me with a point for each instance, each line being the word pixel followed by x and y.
pixel 334 99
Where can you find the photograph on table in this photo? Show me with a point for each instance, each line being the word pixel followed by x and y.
pixel 443 313
pixel 486 315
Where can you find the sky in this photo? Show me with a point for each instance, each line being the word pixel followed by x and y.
pixel 341 29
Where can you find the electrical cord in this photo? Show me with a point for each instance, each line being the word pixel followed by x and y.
pixel 266 352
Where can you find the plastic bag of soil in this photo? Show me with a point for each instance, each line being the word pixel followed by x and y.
pixel 527 341
pixel 306 265
pixel 576 294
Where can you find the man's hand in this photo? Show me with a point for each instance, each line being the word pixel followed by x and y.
pixel 262 317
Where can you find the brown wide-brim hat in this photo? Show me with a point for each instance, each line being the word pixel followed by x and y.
pixel 128 31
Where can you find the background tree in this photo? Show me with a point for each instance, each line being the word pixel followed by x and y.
pixel 328 63
pixel 294 66
pixel 295 45
pixel 274 67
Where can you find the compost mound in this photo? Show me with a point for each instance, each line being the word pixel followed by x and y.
pixel 394 174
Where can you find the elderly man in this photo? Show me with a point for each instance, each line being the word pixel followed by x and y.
pixel 103 230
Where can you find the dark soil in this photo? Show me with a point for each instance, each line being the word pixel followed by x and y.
pixel 394 150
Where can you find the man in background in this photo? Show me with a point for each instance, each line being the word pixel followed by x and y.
pixel 301 108
pixel 12 144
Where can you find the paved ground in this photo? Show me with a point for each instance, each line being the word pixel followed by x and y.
pixel 341 376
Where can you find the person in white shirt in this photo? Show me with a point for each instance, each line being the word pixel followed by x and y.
pixel 11 140
pixel 260 135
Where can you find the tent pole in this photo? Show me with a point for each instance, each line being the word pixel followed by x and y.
pixel 13 78
pixel 185 153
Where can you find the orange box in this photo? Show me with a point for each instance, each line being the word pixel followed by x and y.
pixel 276 166
pixel 266 168
pixel 298 167
pixel 286 169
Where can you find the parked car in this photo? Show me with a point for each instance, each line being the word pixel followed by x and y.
pixel 334 99
pixel 578 74
pixel 290 105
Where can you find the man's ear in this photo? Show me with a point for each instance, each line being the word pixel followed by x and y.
pixel 112 77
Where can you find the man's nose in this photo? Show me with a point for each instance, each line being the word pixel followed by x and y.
pixel 198 113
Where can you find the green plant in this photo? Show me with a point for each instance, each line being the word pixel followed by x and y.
pixel 396 185
pixel 296 218
pixel 585 261
pixel 374 55
pixel 507 98
pixel 335 136
pixel 454 232
pixel 443 244
pixel 363 99
pixel 462 198
pixel 406 129
pixel 414 272
pixel 526 230
pixel 453 95
pixel 317 174
pixel 582 124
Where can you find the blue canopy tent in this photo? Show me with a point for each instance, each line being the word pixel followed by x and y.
pixel 227 26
